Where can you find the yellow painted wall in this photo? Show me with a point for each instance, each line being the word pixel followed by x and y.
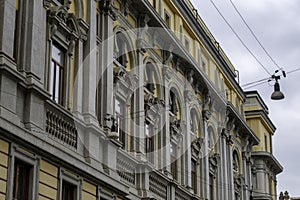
pixel 48 181
pixel 260 130
pixel 89 191
pixel 131 20
pixel 4 150
pixel 170 12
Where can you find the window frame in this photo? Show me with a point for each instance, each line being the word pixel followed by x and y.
pixel 27 158
pixel 120 121
pixel 67 37
pixel 167 18
pixel 65 176
pixel 62 69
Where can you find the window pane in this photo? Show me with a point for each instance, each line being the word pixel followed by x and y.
pixel 21 181
pixel 57 54
pixel 56 73
pixel 57 85
pixel 68 191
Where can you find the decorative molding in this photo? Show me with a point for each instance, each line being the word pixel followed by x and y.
pixel 107 8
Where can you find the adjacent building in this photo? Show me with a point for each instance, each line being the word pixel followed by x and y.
pixel 125 99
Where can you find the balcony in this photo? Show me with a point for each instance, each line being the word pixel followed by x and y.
pixel 60 125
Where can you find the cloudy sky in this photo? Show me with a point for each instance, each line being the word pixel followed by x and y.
pixel 276 23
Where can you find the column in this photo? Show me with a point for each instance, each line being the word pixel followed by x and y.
pixel 187 139
pixel 139 119
pixel 205 158
pixel 110 148
pixel 224 165
pixel 89 67
pixel 108 15
pixel 230 171
pixel 166 143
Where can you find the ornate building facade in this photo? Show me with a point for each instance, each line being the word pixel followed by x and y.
pixel 125 99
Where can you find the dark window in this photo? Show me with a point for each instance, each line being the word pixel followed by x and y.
pixel 61 2
pixel 194 176
pixel 122 49
pixel 22 181
pixel 266 143
pixel 68 191
pixel 98 27
pixel 167 19
pixel 211 186
pixel 56 74
pixel 150 80
pixel 174 161
pixel 173 103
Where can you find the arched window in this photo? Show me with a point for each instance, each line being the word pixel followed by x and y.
pixel 121 49
pixel 174 104
pixel 150 82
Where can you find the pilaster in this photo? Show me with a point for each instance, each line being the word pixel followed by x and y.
pixel 90 68
pixel 7 26
pixel 166 143
pixel 108 15
pixel 35 47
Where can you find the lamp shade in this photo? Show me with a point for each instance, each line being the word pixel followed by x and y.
pixel 277 94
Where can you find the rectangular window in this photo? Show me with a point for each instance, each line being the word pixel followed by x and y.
pixel 266 143
pixel 98 27
pixel 56 74
pixel 168 19
pixel 119 117
pixel 174 161
pixel 194 176
pixel 154 4
pixel 149 142
pixel 211 186
pixel 187 44
pixel 22 185
pixel 69 191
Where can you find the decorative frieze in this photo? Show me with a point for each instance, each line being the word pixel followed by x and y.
pixel 126 170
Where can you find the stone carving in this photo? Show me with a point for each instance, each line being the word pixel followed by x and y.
pixel 168 55
pixel 143 23
pixel 196 147
pixel 107 8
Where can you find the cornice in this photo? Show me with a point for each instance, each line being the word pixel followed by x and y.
pixel 269 159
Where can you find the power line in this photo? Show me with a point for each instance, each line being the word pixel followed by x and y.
pixel 239 38
pixel 253 34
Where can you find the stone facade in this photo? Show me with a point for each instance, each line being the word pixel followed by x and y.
pixel 123 99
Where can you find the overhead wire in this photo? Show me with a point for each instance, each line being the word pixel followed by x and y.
pixel 254 35
pixel 239 38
